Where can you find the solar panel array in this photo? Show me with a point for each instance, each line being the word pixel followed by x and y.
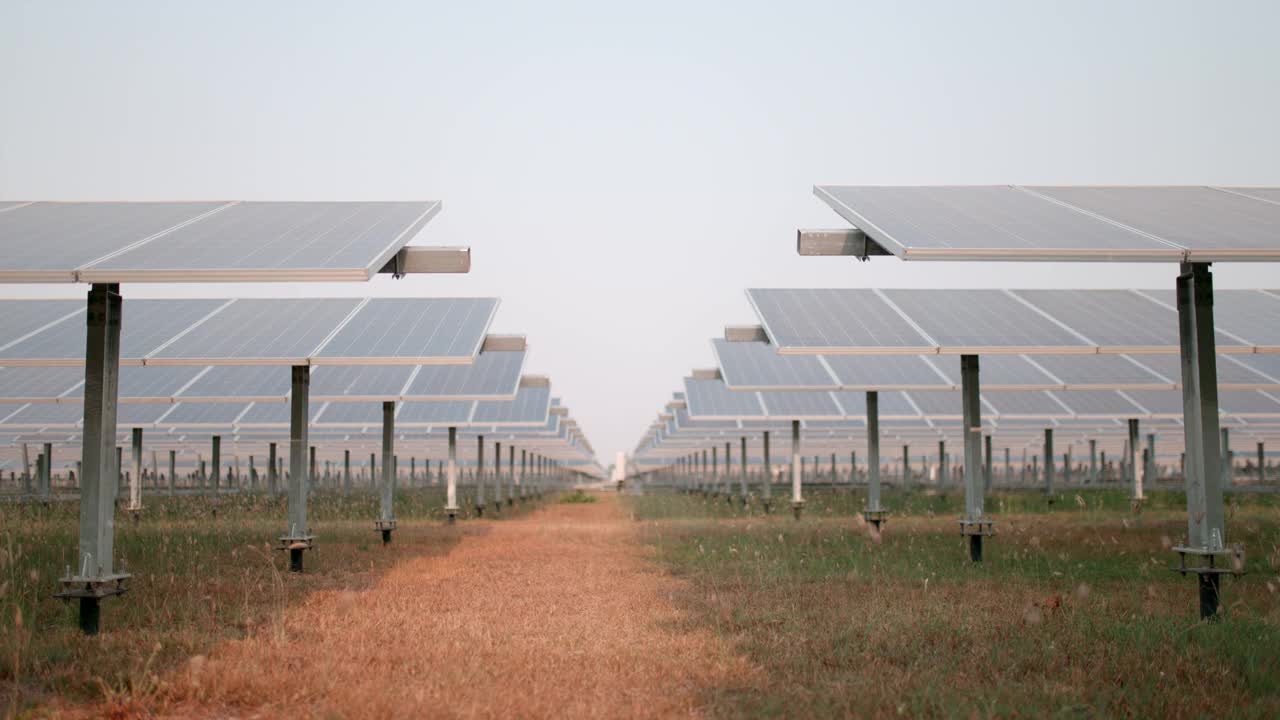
pixel 315 331
pixel 863 321
pixel 1197 224
pixel 714 400
pixel 494 376
pixel 758 366
pixel 114 242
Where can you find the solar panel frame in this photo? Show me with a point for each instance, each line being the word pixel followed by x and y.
pixel 878 324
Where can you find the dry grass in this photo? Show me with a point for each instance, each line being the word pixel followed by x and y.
pixel 555 615
pixel 1072 614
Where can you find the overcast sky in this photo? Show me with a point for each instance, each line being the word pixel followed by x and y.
pixel 622 172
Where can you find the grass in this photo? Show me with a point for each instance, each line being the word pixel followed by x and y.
pixel 204 571
pixel 1074 611
pixel 577 496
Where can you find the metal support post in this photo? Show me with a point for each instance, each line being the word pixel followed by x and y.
pixel 135 482
pixel 297 537
pixel 94 576
pixel 1048 462
pixel 766 490
pixel 497 477
pixel 387 516
pixel 1206 518
pixel 873 513
pixel 451 493
pixel 480 476
pixel 974 524
pixel 797 470
pixel 272 470
pixel 742 476
pixel 346 473
pixel 511 472
pixel 986 466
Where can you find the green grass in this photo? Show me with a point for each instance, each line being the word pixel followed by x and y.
pixel 1074 611
pixel 204 571
pixel 577 496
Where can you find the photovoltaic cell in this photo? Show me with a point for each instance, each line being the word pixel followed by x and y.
pixel 1268 365
pixel 999 371
pixel 492 374
pixel 832 318
pixel 1247 402
pixel 1158 402
pixel 47 414
pixel 260 331
pixel 758 365
pixel 351 413
pixel 414 329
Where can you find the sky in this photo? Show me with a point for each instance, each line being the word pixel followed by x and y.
pixel 624 171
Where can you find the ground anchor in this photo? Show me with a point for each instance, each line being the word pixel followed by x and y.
pixel 976 530
pixel 296 545
pixel 1209 566
pixel 90 592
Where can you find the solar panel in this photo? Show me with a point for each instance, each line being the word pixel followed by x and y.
pixel 204 413
pixel 138 414
pixel 237 383
pixel 711 399
pixel 19 318
pixel 259 331
pixel 1158 402
pixel 984 223
pixel 1104 371
pixel 986 322
pixel 452 412
pixel 45 415
pixel 1247 402
pixel 1207 220
pixel 800 404
pixel 36 384
pixel 1098 403
pixel 958 319
pixel 493 374
pixel 1006 371
pixel 351 413
pixel 146 325
pixel 832 318
pixel 356 382
pixel 875 372
pixel 1233 370
pixel 413 330
pixel 1267 365
pixel 278 241
pixel 757 365
pixel 48 241
pixel 1200 224
pixel 530 406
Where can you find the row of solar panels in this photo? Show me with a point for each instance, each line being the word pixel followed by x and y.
pixel 494 375
pixel 115 242
pixel 907 321
pixel 289 331
pixel 1081 223
pixel 530 407
pixel 758 366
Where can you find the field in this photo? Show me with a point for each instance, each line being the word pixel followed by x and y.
pixel 1074 612
pixel 205 572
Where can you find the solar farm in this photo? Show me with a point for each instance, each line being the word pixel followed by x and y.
pixel 658 360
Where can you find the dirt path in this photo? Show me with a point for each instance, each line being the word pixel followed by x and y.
pixel 558 613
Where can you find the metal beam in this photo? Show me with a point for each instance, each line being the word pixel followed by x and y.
pixel 745 333
pixel 503 343
pixel 422 259
pixel 847 241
